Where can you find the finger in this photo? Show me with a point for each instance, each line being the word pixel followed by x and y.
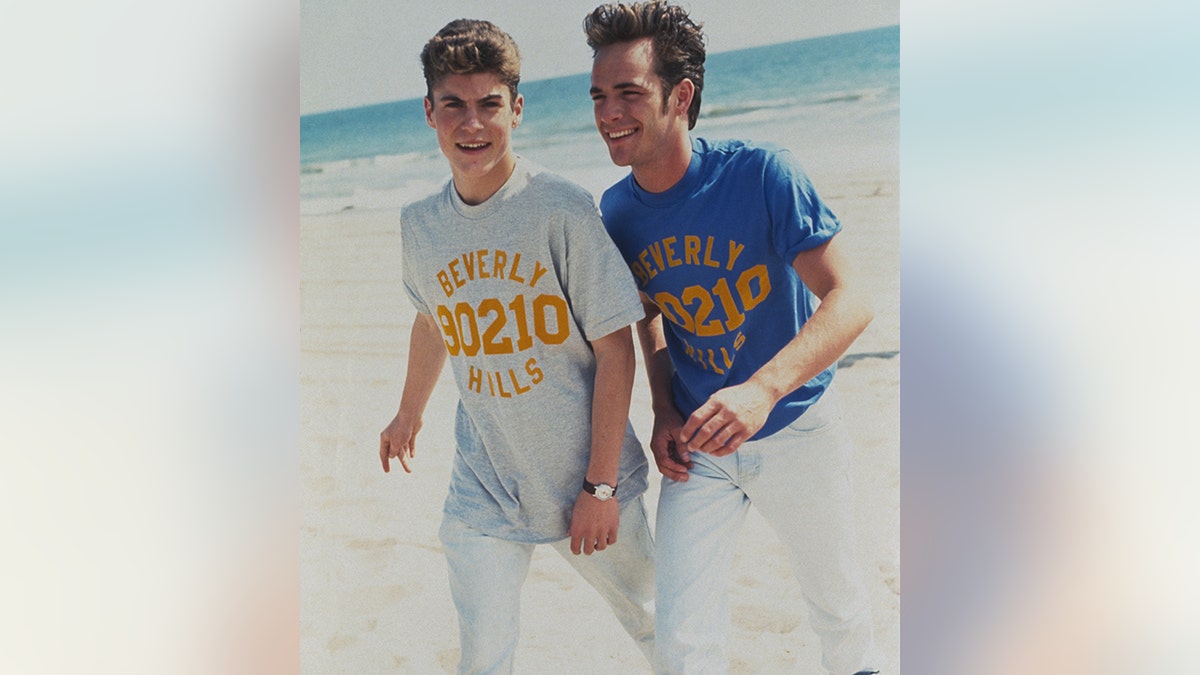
pixel 685 457
pixel 576 541
pixel 704 434
pixel 695 422
pixel 667 463
pixel 731 446
pixel 383 455
pixel 679 455
pixel 671 468
pixel 589 545
pixel 716 437
pixel 404 455
pixel 677 476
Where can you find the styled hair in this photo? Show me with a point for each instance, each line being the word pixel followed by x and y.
pixel 468 46
pixel 678 41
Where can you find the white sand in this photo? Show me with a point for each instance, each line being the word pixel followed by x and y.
pixel 374 595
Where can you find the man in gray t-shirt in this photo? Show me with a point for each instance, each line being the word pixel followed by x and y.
pixel 515 278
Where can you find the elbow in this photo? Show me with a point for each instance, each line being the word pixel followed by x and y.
pixel 866 310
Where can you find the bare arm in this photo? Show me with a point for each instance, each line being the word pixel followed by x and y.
pixel 664 439
pixel 426 357
pixel 734 414
pixel 594 523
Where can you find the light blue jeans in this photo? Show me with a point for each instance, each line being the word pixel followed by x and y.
pixel 799 480
pixel 486 575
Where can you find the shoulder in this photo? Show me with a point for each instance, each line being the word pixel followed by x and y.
pixel 772 165
pixel 618 193
pixel 545 184
pixel 741 152
pixel 423 207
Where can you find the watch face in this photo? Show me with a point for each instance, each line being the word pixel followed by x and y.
pixel 603 491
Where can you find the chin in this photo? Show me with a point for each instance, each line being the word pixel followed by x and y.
pixel 618 159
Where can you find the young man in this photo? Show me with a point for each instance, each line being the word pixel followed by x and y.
pixel 730 243
pixel 514 277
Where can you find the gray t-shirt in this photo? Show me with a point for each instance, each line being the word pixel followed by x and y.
pixel 519 284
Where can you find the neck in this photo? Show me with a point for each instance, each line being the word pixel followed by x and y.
pixel 475 191
pixel 668 168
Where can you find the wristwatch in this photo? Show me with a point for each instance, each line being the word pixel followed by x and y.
pixel 602 491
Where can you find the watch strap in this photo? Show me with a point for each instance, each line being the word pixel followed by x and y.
pixel 590 488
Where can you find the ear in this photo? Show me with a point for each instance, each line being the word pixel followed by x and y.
pixel 682 97
pixel 429 112
pixel 518 107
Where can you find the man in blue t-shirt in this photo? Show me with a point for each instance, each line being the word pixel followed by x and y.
pixel 749 306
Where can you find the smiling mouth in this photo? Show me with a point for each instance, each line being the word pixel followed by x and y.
pixel 472 146
pixel 618 135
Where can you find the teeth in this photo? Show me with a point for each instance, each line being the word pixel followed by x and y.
pixel 472 146
pixel 621 134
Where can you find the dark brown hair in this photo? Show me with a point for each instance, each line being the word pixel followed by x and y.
pixel 467 46
pixel 678 41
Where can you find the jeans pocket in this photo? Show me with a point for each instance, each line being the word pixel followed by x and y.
pixel 817 418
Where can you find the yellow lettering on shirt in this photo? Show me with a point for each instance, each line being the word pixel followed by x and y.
pixel 499 259
pixel 481 257
pixel 668 245
pixel 691 250
pixel 444 280
pixel 662 255
pixel 735 249
pixel 512 273
pixel 538 271
pixel 708 261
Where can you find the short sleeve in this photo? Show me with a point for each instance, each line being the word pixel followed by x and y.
pixel 800 221
pixel 407 268
pixel 599 284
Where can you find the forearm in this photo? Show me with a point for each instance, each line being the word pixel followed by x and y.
pixel 612 390
pixel 426 358
pixel 824 338
pixel 657 361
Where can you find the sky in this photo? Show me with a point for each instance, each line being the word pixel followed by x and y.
pixel 360 52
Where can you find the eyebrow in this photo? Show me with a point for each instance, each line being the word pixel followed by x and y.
pixel 452 98
pixel 618 86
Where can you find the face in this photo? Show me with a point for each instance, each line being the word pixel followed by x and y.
pixel 474 118
pixel 627 99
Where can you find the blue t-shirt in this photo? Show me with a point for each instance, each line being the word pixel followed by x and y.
pixel 714 253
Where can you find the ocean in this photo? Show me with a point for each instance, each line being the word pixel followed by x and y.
pixel 834 101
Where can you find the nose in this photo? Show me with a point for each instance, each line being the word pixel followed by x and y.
pixel 471 121
pixel 607 110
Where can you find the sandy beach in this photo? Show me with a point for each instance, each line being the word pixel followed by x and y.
pixel 374 594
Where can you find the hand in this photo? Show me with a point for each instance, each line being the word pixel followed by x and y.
pixel 399 439
pixel 727 419
pixel 670 454
pixel 594 524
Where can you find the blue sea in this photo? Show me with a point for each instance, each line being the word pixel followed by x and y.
pixel 834 100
